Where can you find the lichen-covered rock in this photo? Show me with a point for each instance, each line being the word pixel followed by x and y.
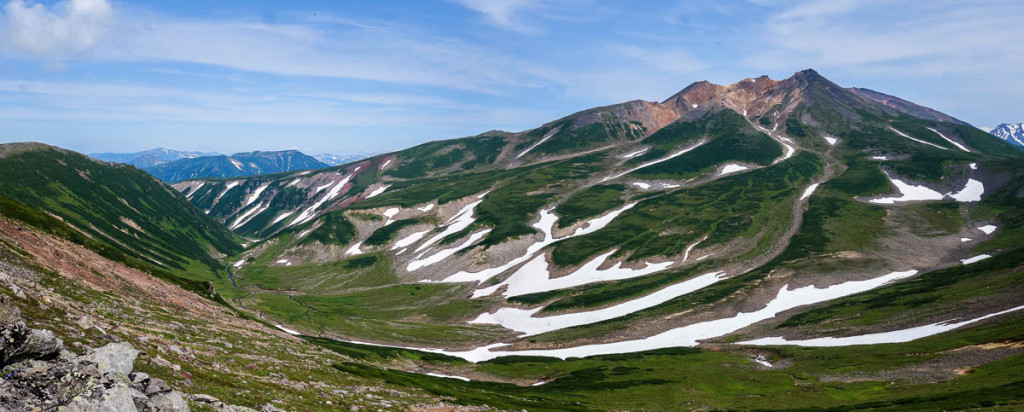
pixel 114 357
pixel 38 374
pixel 19 342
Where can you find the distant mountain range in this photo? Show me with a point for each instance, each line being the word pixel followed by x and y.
pixel 1010 132
pixel 149 158
pixel 239 164
pixel 334 160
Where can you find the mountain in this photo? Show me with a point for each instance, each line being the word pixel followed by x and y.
pixel 118 210
pixel 769 244
pixel 149 157
pixel 1013 133
pixel 239 164
pixel 334 160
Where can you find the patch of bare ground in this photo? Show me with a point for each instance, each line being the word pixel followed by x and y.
pixel 949 365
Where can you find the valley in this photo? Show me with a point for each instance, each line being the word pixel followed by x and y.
pixel 783 244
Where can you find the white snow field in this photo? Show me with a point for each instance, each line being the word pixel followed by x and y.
pixel 809 191
pixel 378 191
pixel 546 225
pixel 978 258
pixel 654 162
pixel 542 140
pixel 310 212
pixel 534 276
pixel 288 331
pixel 909 193
pixel 971 192
pixel 732 168
pixel 916 139
pixel 896 336
pixel 951 141
pixel 522 320
pixel 988 229
pixel 690 335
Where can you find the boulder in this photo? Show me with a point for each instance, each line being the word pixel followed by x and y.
pixel 115 357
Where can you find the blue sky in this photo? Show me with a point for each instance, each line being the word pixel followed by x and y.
pixel 369 76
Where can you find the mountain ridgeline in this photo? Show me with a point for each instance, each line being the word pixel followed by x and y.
pixel 770 244
pixel 239 164
pixel 148 158
pixel 1010 132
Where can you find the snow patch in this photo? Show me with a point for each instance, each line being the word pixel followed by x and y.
pixel 256 195
pixel 426 208
pixel 522 320
pixel 631 155
pixel 896 336
pixel 909 193
pixel 732 168
pixel 282 217
pixel 534 276
pixel 445 253
pixel 692 334
pixel 653 162
pixel 288 331
pixel 542 140
pixel 971 192
pixel 831 140
pixel 642 185
pixel 385 165
pixel 978 258
pixel 390 214
pixel 879 158
pixel 460 221
pixel 958 145
pixel 438 375
pixel 310 212
pixel 988 229
pixel 354 250
pixel 377 191
pixel 809 191
pixel 965 239
pixel 409 240
pixel 915 139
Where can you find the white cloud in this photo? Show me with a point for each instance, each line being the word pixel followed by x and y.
pixel 504 13
pixel 72 26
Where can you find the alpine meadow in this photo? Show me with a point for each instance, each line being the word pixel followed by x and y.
pixel 767 244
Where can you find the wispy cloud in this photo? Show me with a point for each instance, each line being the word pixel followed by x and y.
pixel 930 38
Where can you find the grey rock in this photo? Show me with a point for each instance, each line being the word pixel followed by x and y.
pixel 203 398
pixel 115 399
pixel 156 386
pixel 18 342
pixel 114 357
pixel 138 378
pixel 169 402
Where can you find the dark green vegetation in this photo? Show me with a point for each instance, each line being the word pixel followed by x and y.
pixel 338 274
pixel 724 209
pixel 588 203
pixel 731 139
pixel 117 206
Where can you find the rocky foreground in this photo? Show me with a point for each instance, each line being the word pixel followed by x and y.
pixel 39 373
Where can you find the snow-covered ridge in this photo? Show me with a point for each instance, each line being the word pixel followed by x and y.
pixel 1011 132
